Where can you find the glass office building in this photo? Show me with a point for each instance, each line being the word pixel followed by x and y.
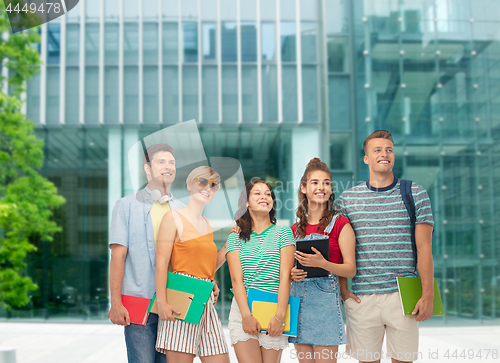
pixel 272 83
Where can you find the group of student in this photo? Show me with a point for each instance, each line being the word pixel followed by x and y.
pixel 370 237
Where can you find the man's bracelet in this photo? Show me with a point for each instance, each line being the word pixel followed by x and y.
pixel 279 321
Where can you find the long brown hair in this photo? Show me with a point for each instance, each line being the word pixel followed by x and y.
pixel 303 209
pixel 242 216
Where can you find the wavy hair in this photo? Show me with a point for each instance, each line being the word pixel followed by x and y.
pixel 303 209
pixel 242 216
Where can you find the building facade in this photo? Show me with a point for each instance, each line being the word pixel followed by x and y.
pixel 271 83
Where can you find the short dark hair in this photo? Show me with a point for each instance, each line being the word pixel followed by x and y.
pixel 152 150
pixel 379 134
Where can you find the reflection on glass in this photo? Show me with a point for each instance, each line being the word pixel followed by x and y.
pixel 287 9
pixel 269 93
pixel 339 102
pixel 111 39
pixel 229 45
pixel 249 94
pixel 150 10
pixel 93 9
pixel 308 42
pixel 190 36
pixel 210 99
pixel 229 94
pixel 228 9
pixel 209 41
pixel 170 9
pixel 308 9
pixel 52 90
pixel 337 54
pixel 170 42
pixel 72 99
pixel 289 92
pixel 337 20
pixel 268 41
pixel 170 94
pixel 189 93
pixel 288 42
pixel 92 44
pixel 91 95
pixel 111 95
pixel 130 9
pixel 208 9
pixel 150 43
pixel 53 43
pixel 189 9
pixel 248 10
pixel 111 9
pixel 268 10
pixel 131 43
pixel 131 95
pixel 150 95
pixel 248 42
pixel 310 103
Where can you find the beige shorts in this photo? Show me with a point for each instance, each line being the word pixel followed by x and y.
pixel 237 334
pixel 374 316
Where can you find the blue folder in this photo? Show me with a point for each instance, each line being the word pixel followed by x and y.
pixel 259 295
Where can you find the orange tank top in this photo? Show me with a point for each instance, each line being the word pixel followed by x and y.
pixel 194 254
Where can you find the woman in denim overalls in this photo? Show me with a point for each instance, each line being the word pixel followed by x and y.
pixel 320 326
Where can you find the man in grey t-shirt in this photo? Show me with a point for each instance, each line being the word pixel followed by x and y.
pixel 383 252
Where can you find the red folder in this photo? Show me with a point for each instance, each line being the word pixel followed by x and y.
pixel 137 308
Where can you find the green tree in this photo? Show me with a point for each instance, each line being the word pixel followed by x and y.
pixel 27 199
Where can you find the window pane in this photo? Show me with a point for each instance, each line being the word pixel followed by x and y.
pixel 308 42
pixel 91 95
pixel 33 98
pixel 336 18
pixel 72 99
pixel 287 8
pixel 310 94
pixel 189 93
pixel 209 41
pixel 52 96
pixel 229 94
pixel 339 103
pixel 248 10
pixel 248 42
pixel 150 95
pixel 189 9
pixel 268 10
pixel 74 14
pixel 288 43
pixel 268 41
pixel 289 92
pixel 308 9
pixel 209 10
pixel 229 42
pixel 338 54
pixel 131 43
pixel 249 94
pixel 53 43
pixel 170 9
pixel 150 10
pixel 131 95
pixel 210 94
pixel 269 94
pixel 92 44
pixel 228 10
pixel 111 39
pixel 170 94
pixel 111 9
pixel 130 9
pixel 190 35
pixel 111 95
pixel 170 43
pixel 72 44
pixel 150 43
pixel 93 9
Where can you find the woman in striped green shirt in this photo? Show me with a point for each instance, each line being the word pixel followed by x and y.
pixel 261 257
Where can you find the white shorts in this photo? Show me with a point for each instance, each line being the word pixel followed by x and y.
pixel 203 339
pixel 374 316
pixel 237 334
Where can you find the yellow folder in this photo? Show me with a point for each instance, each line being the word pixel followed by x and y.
pixel 265 311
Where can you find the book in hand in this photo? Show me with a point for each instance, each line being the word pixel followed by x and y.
pixel 323 246
pixel 410 291
pixel 180 300
pixel 137 308
pixel 267 311
pixel 196 291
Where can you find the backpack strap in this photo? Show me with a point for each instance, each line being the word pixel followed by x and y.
pixel 407 196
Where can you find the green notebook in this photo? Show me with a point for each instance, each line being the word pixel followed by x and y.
pixel 410 291
pixel 200 289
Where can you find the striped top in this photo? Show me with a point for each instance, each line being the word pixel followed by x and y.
pixel 382 227
pixel 260 256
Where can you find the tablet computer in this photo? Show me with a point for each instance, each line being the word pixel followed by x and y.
pixel 323 246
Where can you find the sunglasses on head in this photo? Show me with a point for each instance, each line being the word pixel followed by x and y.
pixel 203 182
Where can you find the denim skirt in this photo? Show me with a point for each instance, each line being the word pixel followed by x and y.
pixel 320 318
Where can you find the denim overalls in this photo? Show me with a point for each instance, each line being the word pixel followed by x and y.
pixel 320 318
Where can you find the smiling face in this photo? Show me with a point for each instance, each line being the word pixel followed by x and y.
pixel 380 156
pixel 260 199
pixel 318 188
pixel 162 164
pixel 201 193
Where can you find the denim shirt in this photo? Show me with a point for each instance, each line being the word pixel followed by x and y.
pixel 132 227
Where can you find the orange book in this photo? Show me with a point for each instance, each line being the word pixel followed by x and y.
pixel 137 308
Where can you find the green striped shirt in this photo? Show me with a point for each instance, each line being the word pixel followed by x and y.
pixel 260 256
